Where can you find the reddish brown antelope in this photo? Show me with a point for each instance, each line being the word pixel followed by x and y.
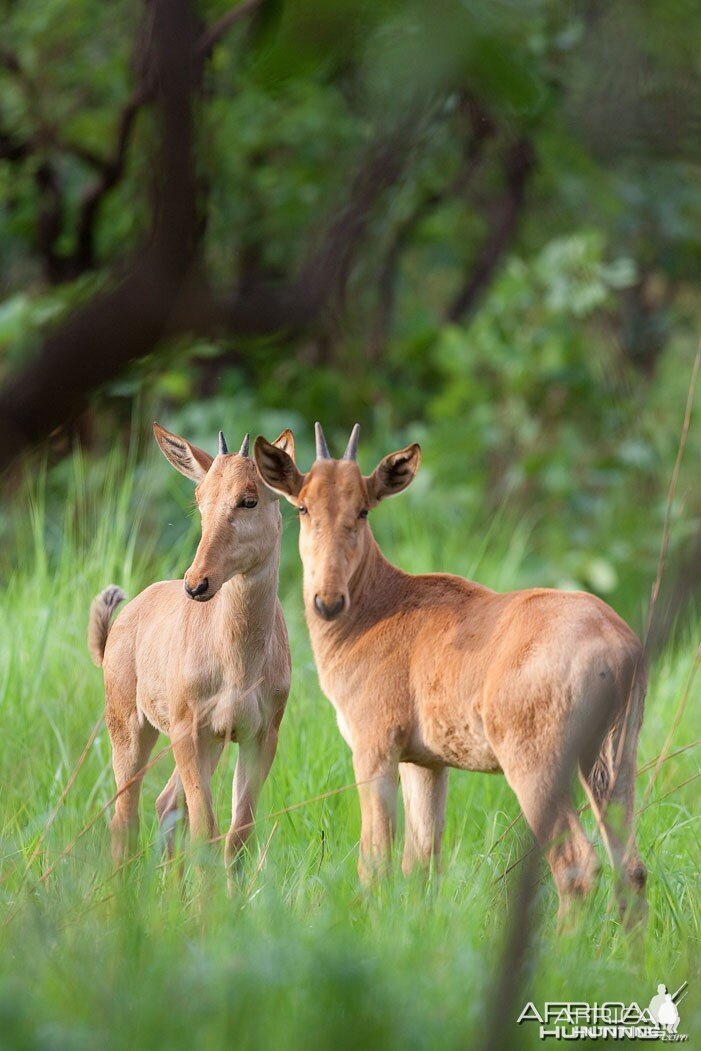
pixel 205 663
pixel 432 671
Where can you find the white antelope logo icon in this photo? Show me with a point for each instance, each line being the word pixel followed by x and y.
pixel 663 1007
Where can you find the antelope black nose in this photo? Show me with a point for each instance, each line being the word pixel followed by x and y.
pixel 201 588
pixel 329 612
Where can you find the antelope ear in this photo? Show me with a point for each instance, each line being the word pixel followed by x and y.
pixel 186 458
pixel 394 473
pixel 286 442
pixel 277 468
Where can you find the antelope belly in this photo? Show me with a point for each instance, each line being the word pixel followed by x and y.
pixel 456 741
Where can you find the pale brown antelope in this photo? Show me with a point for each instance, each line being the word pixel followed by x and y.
pixel 433 671
pixel 205 660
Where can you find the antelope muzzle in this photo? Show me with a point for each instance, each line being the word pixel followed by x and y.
pixel 200 591
pixel 327 608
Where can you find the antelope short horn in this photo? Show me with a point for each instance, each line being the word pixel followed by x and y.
pixel 351 452
pixel 223 447
pixel 243 451
pixel 322 449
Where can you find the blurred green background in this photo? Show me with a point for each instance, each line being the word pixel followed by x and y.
pixel 521 293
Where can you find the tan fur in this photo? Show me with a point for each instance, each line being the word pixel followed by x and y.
pixel 433 671
pixel 99 620
pixel 203 672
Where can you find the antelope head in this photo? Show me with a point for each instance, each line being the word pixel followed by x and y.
pixel 240 518
pixel 333 499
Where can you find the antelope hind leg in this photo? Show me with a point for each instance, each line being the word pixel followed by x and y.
pixel 252 768
pixel 132 742
pixel 424 793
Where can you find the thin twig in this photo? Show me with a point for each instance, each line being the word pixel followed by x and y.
pixel 261 859
pixel 138 776
pixel 281 813
pixel 167 862
pixel 585 806
pixel 670 792
pixel 645 806
pixel 681 706
pixel 212 36
pixel 660 633
pixel 671 493
pixel 62 798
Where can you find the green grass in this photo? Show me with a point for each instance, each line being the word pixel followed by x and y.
pixel 298 958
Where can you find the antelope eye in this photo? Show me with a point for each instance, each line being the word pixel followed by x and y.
pixel 364 513
pixel 302 510
pixel 248 501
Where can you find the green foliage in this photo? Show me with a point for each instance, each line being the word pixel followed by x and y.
pixel 534 389
pixel 25 318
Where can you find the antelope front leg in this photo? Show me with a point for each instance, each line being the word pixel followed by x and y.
pixel 170 804
pixel 377 788
pixel 252 768
pixel 192 759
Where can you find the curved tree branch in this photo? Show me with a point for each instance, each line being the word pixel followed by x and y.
pixel 50 223
pixel 137 311
pixel 110 170
pixel 296 304
pixel 216 32
pixel 113 168
pixel 518 166
pixel 479 130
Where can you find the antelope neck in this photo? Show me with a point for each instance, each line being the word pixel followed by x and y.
pixel 374 580
pixel 247 602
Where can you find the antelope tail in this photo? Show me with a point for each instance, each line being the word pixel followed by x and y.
pixel 616 757
pixel 99 621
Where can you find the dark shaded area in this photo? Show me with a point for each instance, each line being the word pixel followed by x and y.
pixel 165 290
pixel 518 164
